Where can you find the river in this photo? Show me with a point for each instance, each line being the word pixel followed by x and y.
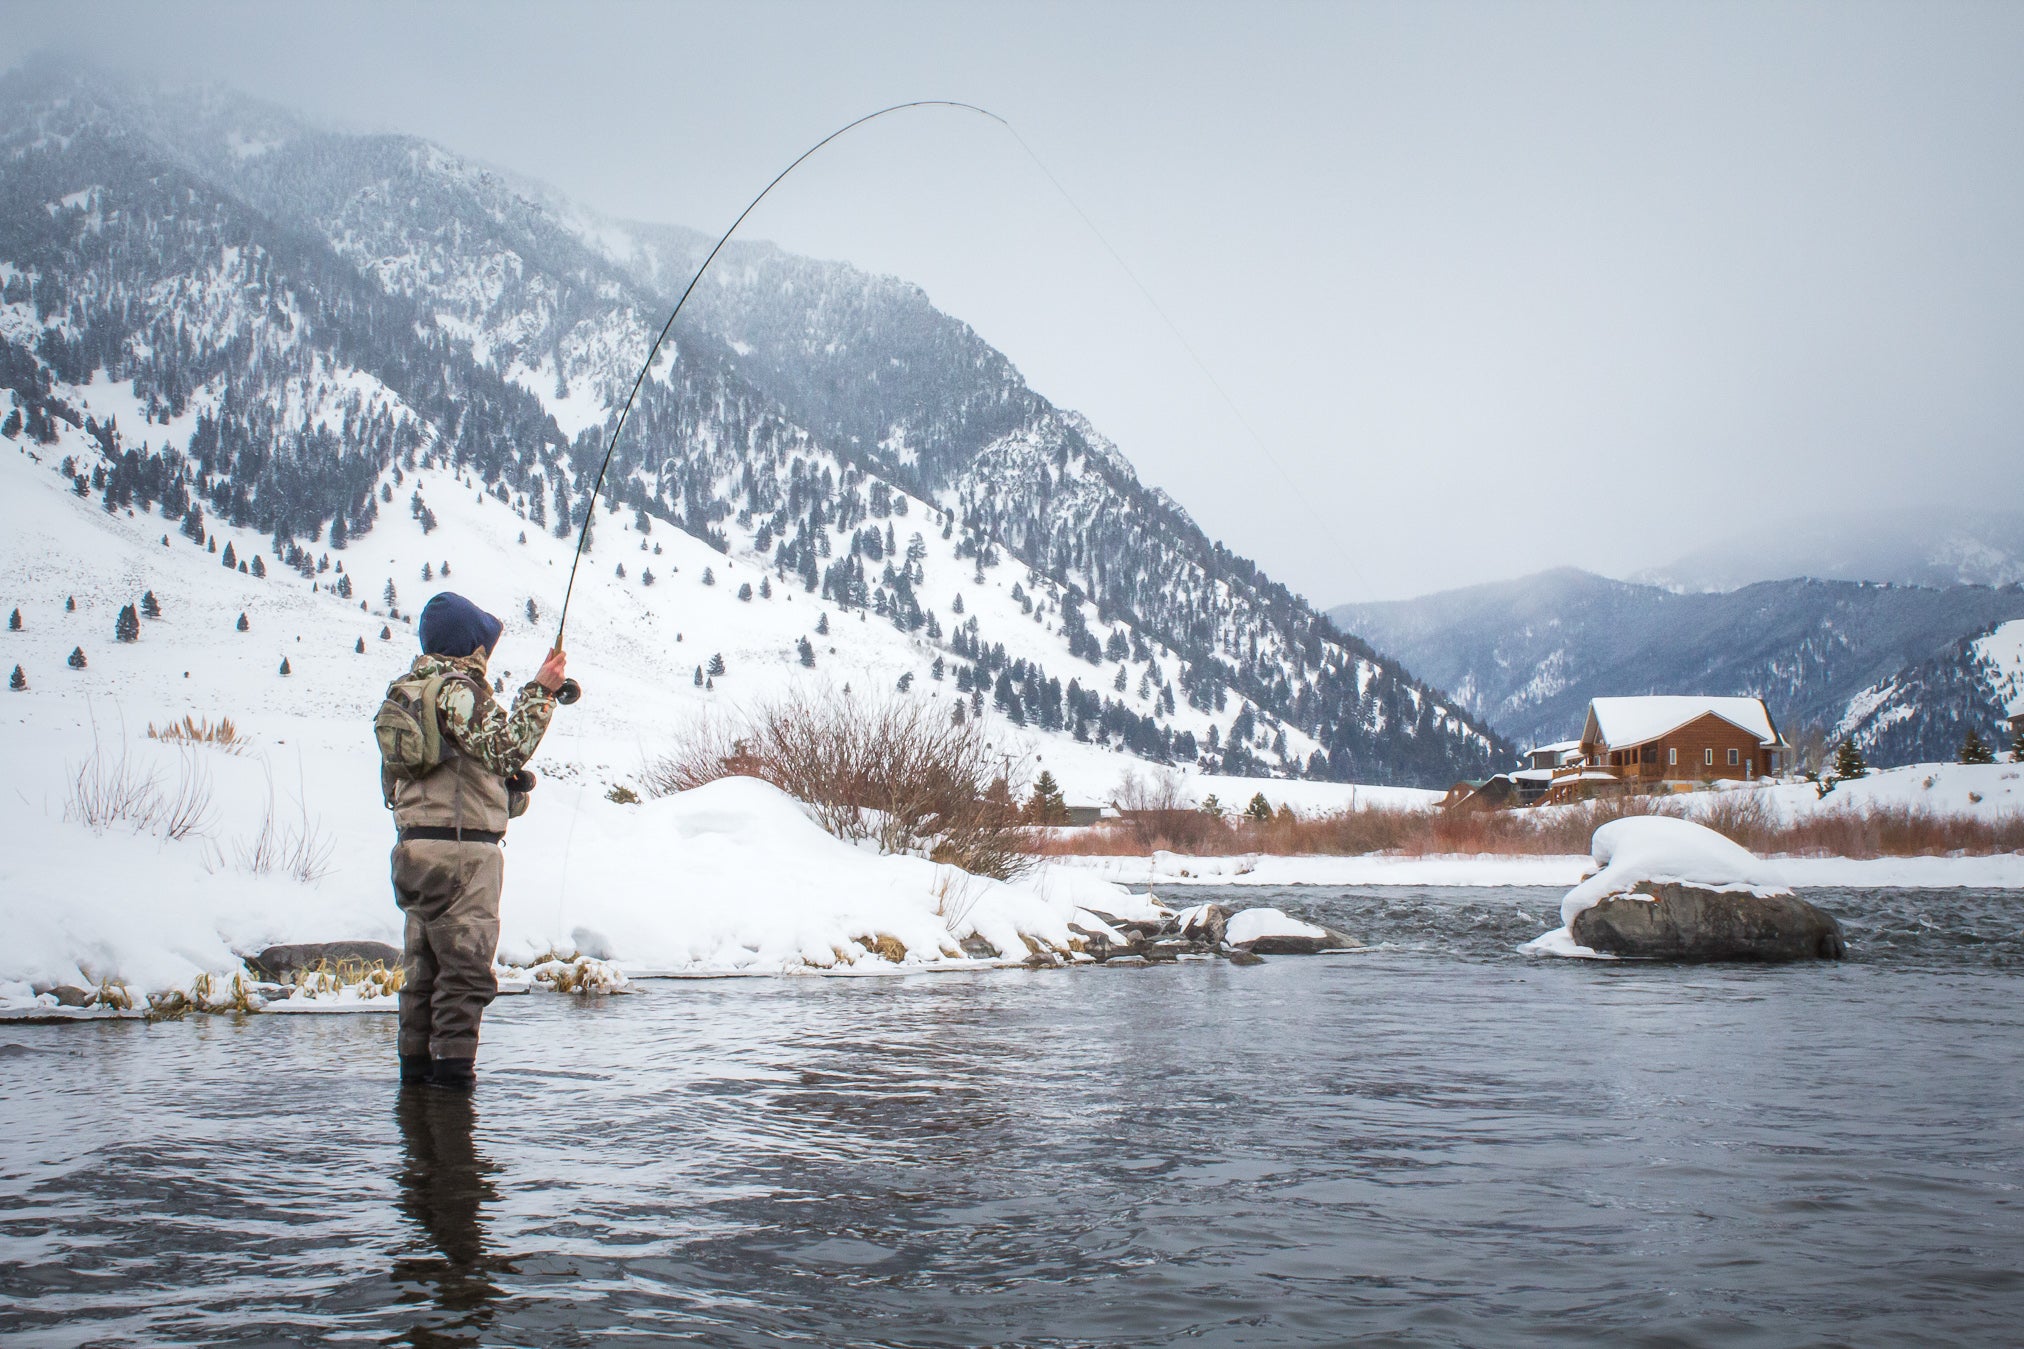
pixel 1434 1143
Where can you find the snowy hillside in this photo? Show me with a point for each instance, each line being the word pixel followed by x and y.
pixel 243 272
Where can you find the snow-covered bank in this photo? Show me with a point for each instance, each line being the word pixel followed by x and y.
pixel 730 878
pixel 1165 869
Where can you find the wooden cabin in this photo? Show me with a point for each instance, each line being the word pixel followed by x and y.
pixel 1663 742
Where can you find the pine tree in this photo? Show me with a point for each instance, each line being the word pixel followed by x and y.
pixel 1212 807
pixel 956 605
pixel 716 664
pixel 284 666
pixel 699 676
pixel 150 606
pixel 127 627
pixel 533 612
pixel 1259 810
pixel 361 645
pixel 646 576
pixel 391 596
pixel 765 588
pixel 17 681
pixel 193 524
pixel 709 577
pixel 428 572
pixel 1974 751
pixel 14 621
pixel 243 625
pixel 620 572
pixel 259 567
pixel 386 633
pixel 745 592
pixel 76 661
pixel 806 650
pixel 906 682
pixel 1848 763
pixel 822 626
pixel 70 604
pixel 231 559
pixel 444 570
pixel 1046 805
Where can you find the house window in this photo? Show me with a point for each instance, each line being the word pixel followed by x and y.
pixel 1673 756
pixel 1735 756
pixel 1708 757
pixel 1749 768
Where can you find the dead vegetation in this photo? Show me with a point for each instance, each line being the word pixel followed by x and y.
pixel 893 772
pixel 107 790
pixel 220 735
pixel 1747 817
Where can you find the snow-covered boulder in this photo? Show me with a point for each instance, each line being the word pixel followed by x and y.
pixel 1269 932
pixel 1670 889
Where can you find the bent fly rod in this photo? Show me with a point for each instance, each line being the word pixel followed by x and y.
pixel 571 690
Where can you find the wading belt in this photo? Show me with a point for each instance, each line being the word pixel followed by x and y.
pixel 439 833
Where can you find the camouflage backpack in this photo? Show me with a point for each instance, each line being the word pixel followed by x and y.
pixel 409 729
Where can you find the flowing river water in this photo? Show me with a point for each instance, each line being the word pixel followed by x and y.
pixel 1435 1143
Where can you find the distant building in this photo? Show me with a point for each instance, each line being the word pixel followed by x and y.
pixel 1661 742
pixel 1542 765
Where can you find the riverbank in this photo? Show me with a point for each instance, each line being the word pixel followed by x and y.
pixel 1167 869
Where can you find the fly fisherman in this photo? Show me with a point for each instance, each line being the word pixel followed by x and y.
pixel 454 770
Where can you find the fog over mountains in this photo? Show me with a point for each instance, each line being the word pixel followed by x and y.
pixel 303 317
pixel 1923 546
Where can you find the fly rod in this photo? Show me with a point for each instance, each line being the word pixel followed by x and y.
pixel 571 690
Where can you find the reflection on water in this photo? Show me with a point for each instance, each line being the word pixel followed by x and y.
pixel 446 1181
pixel 1436 1143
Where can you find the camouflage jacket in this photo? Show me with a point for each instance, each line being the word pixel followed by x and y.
pixel 501 740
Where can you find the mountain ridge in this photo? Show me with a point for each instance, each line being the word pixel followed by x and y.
pixel 1528 654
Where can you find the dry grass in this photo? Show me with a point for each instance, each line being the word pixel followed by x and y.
pixel 299 849
pixel 1747 817
pixel 222 734
pixel 107 791
pixel 896 772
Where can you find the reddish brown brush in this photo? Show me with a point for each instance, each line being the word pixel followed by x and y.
pixel 1856 831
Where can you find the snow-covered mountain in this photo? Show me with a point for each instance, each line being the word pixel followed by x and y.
pixel 307 345
pixel 1527 655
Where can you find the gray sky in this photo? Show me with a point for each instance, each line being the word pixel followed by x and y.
pixel 1500 286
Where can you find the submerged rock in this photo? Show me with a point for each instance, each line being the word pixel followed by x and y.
pixel 1684 922
pixel 279 964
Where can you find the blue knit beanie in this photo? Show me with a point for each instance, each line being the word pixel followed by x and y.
pixel 453 626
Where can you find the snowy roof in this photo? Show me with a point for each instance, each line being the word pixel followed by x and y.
pixel 1533 775
pixel 1633 721
pixel 1557 747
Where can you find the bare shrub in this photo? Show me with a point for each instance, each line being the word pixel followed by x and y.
pixel 895 772
pixel 1159 812
pixel 105 791
pixel 1748 817
pixel 300 849
pixel 222 734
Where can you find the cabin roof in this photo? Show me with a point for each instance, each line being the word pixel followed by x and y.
pixel 1621 722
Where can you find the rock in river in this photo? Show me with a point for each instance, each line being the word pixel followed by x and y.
pixel 1670 889
pixel 1682 922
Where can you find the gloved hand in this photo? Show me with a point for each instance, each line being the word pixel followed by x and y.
pixel 522 781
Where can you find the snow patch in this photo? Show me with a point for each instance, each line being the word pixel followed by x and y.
pixel 1656 850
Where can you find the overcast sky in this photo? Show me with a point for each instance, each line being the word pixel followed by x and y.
pixel 1496 286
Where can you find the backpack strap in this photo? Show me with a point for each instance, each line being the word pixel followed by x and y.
pixel 432 717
